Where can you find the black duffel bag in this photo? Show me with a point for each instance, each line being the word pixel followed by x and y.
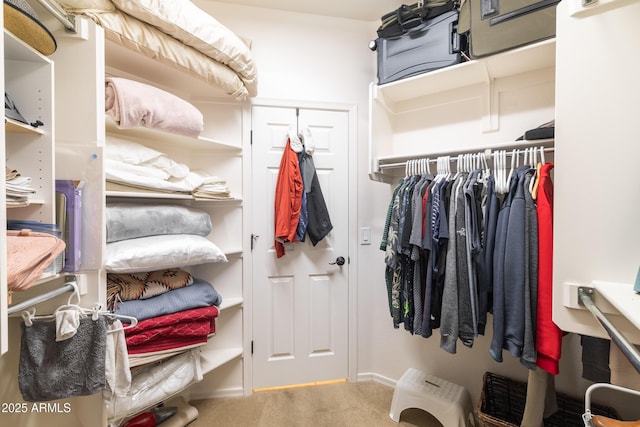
pixel 401 20
pixel 418 38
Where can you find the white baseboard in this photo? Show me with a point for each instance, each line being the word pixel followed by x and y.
pixel 238 392
pixel 372 376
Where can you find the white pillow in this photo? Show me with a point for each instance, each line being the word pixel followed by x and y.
pixel 156 252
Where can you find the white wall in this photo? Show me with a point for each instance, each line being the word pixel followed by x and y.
pixel 311 58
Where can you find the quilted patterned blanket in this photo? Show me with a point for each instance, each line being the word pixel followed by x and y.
pixel 132 286
pixel 171 330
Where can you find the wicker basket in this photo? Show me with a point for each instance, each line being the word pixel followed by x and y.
pixel 503 400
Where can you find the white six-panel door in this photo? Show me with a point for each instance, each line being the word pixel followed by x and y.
pixel 300 301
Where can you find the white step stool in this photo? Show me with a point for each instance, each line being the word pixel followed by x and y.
pixel 449 403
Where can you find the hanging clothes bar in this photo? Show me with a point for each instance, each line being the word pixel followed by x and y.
pixel 69 21
pixel 70 286
pixel 585 298
pixel 453 156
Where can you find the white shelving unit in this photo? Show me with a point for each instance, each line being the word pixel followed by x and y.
pixel 465 107
pixel 30 150
pixel 218 151
pixel 28 79
pixel 598 129
pixel 70 145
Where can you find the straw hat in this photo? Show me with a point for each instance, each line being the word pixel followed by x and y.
pixel 21 20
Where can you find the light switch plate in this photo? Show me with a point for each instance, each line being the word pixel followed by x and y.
pixel 365 235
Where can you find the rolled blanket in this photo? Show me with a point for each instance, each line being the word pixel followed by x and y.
pixel 132 104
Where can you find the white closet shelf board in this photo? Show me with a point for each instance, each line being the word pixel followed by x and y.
pixel 228 303
pixel 32 202
pixel 616 300
pixel 16 49
pixel 623 298
pixel 158 136
pixel 233 252
pixel 115 190
pixel 212 359
pixel 397 96
pixel 14 126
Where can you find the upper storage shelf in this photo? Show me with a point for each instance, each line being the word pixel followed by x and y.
pixel 400 95
pixel 468 107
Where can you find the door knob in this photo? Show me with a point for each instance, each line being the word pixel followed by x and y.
pixel 339 261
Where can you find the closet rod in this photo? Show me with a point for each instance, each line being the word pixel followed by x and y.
pixel 71 286
pixel 69 21
pixel 629 350
pixel 453 157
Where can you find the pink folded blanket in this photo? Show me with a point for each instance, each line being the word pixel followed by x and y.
pixel 132 104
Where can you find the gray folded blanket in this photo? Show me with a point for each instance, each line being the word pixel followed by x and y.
pixel 50 369
pixel 200 294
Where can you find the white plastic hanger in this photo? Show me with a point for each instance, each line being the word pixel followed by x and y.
pixel 514 165
pixel 497 171
pixel 294 141
pixel 503 169
pixel 534 177
pixel 29 315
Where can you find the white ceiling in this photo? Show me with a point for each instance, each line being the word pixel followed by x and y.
pixel 365 10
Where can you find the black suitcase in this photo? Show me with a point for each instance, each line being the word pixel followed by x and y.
pixel 428 45
pixel 497 25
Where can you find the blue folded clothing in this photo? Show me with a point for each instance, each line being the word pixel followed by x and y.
pixel 200 294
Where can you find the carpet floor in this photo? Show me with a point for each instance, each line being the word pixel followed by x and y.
pixel 364 404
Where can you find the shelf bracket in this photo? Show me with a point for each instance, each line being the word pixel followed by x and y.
pixel 490 103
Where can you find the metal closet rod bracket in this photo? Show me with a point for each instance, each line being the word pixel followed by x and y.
pixel 69 22
pixel 585 298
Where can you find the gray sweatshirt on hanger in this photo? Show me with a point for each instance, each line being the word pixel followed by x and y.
pixel 499 302
pixel 515 279
pixel 449 330
pixel 529 353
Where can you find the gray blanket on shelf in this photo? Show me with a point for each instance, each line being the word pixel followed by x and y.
pixel 200 294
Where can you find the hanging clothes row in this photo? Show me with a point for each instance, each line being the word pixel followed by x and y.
pixel 300 208
pixel 477 241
